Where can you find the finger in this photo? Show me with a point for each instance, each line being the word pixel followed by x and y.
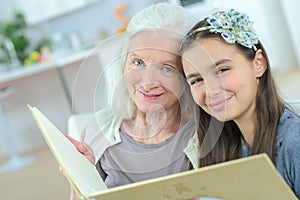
pixel 82 148
pixel 73 141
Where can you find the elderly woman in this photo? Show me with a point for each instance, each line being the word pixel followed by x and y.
pixel 147 130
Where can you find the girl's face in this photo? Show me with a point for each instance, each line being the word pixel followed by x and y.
pixel 151 72
pixel 223 82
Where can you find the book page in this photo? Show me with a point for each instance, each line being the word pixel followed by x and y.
pixel 249 178
pixel 78 169
pixel 253 177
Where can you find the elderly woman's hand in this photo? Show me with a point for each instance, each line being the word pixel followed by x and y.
pixel 83 149
pixel 87 152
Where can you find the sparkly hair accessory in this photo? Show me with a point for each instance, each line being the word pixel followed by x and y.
pixel 234 27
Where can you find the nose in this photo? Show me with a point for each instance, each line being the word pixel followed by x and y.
pixel 214 87
pixel 213 93
pixel 150 78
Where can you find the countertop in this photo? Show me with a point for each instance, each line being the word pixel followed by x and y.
pixel 57 62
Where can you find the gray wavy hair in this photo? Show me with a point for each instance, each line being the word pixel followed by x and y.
pixel 157 16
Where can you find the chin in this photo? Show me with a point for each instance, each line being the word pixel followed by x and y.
pixel 151 108
pixel 223 118
pixel 219 116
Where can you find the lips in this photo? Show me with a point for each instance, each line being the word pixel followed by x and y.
pixel 150 96
pixel 219 105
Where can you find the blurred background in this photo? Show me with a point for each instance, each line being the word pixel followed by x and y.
pixel 44 43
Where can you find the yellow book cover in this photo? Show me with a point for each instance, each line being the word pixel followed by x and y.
pixel 254 177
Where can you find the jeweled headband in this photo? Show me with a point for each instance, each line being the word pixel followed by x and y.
pixel 233 26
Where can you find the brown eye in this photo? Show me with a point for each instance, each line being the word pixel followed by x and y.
pixel 196 80
pixel 222 70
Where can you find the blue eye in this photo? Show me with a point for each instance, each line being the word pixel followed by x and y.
pixel 138 62
pixel 167 70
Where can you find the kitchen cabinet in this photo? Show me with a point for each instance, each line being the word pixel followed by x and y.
pixel 36 11
pixel 49 87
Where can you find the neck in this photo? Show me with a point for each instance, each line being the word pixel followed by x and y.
pixel 246 126
pixel 248 134
pixel 153 127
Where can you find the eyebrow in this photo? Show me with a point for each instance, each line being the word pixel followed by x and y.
pixel 171 61
pixel 219 62
pixel 132 54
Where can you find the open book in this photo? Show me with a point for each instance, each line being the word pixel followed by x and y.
pixel 254 177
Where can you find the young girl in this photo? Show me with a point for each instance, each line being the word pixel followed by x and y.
pixel 230 78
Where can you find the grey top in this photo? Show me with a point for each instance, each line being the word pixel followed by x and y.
pixel 130 161
pixel 288 150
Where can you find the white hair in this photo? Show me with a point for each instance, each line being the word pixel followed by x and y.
pixel 158 16
pixel 164 16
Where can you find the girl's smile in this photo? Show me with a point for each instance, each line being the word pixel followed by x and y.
pixel 219 105
pixel 223 83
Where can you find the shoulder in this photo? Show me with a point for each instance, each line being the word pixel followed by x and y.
pixel 104 116
pixel 288 133
pixel 289 126
pixel 94 122
pixel 107 123
pixel 288 149
pixel 102 131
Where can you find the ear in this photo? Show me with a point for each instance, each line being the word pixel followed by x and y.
pixel 260 63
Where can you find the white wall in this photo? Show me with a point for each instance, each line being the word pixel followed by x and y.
pixel 7 10
pixel 96 18
pixel 291 13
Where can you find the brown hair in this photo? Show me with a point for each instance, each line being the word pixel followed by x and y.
pixel 269 107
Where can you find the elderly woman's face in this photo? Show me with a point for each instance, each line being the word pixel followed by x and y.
pixel 151 72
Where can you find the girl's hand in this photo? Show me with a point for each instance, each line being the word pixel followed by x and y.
pixel 83 149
